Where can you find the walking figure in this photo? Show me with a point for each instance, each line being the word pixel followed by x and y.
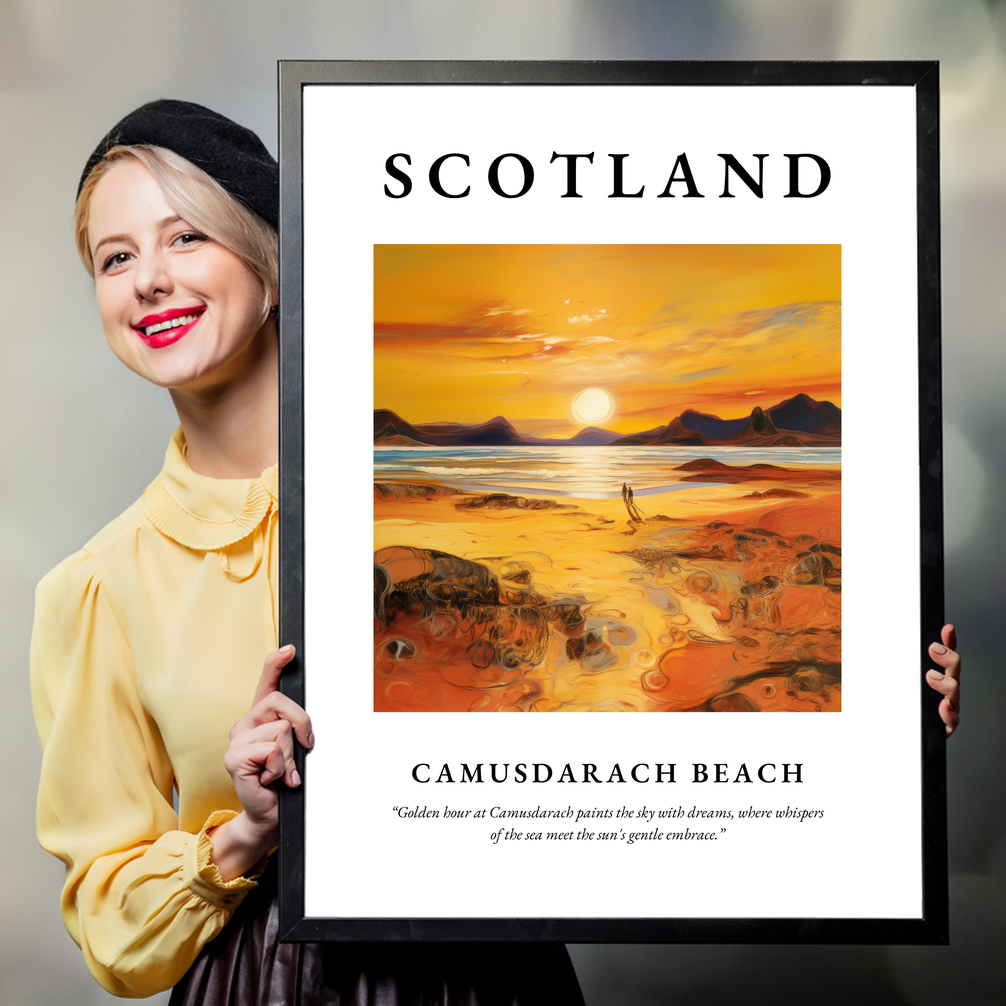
pixel 634 513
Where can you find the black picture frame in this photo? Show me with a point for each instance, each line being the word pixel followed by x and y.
pixel 931 926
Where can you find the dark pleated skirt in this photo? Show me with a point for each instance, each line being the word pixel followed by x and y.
pixel 246 965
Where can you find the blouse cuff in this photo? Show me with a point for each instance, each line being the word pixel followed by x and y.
pixel 202 876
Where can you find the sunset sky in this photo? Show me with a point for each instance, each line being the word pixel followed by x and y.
pixel 463 333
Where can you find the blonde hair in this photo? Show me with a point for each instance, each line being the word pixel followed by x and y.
pixel 199 200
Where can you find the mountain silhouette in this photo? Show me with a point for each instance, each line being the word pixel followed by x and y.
pixel 803 414
pixel 759 424
pixel 712 426
pixel 588 436
pixel 388 423
pixel 681 435
pixel 799 421
pixel 496 432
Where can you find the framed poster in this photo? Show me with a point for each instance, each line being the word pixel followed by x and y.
pixel 610 372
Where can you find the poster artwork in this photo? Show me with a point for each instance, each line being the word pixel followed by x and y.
pixel 607 477
pixel 610 472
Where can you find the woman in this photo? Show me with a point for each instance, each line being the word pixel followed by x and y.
pixel 148 643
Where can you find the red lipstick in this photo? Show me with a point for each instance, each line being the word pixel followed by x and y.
pixel 166 326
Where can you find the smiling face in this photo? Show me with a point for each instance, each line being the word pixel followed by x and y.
pixel 177 307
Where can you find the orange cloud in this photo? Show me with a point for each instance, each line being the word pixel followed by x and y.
pixel 466 332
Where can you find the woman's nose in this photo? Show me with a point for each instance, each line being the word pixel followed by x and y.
pixel 152 277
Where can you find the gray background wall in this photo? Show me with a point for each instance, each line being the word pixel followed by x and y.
pixel 82 436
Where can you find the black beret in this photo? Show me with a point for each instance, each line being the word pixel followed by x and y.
pixel 230 154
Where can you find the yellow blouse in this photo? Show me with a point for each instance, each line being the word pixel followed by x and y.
pixel 147 647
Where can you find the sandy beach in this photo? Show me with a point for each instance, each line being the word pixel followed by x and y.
pixel 721 598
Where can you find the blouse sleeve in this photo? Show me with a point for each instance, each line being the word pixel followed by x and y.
pixel 141 898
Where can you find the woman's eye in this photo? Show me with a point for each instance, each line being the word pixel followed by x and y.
pixel 190 238
pixel 114 261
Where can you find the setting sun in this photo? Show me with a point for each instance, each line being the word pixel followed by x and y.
pixel 592 405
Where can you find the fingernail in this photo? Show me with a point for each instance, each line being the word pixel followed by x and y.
pixel 310 740
pixel 295 777
pixel 937 675
pixel 938 648
pixel 286 649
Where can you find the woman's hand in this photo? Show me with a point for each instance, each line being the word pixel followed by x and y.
pixel 260 753
pixel 947 682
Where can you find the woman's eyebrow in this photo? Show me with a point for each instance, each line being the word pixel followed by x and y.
pixel 160 225
pixel 109 240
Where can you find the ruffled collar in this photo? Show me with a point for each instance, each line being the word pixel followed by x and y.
pixel 203 513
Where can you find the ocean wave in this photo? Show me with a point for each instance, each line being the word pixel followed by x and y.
pixel 536 473
pixel 587 472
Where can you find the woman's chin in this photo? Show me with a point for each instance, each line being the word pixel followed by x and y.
pixel 173 374
pixel 198 366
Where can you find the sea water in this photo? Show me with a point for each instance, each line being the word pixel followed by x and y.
pixel 580 472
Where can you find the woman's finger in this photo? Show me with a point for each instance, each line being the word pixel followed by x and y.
pixel 949 687
pixel 950 715
pixel 261 760
pixel 273 766
pixel 271 671
pixel 945 685
pixel 278 732
pixel 947 681
pixel 947 659
pixel 277 706
pixel 949 636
